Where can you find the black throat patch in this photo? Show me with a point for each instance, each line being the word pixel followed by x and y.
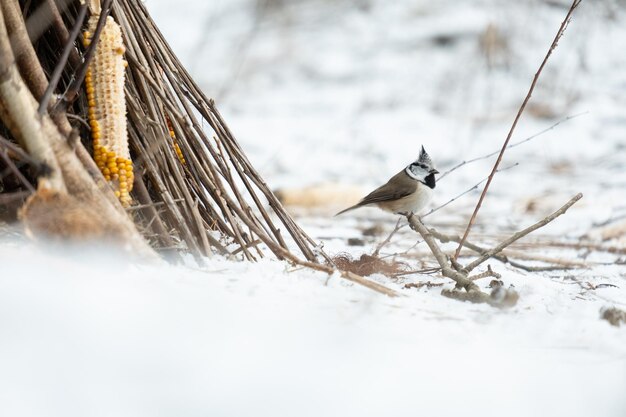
pixel 430 180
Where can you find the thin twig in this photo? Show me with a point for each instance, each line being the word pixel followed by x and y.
pixel 58 70
pixel 16 171
pixel 488 273
pixel 425 271
pixel 72 91
pixel 79 120
pixel 155 204
pixel 40 20
pixel 588 246
pixel 557 263
pixel 460 278
pixel 19 152
pixel 517 117
pixel 444 238
pixel 6 198
pixel 475 186
pixel 512 145
pixel 521 234
pixel 388 239
pixel 419 285
pixel 500 298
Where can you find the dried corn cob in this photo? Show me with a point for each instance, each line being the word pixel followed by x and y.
pixel 179 153
pixel 107 108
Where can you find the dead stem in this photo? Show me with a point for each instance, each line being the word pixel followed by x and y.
pixel 553 46
pixel 521 234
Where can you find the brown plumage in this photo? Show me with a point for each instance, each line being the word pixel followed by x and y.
pixel 391 195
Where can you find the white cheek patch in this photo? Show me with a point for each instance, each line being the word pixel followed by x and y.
pixel 410 173
pixel 419 175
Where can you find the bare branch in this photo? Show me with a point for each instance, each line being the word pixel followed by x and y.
pixel 444 238
pixel 490 253
pixel 16 171
pixel 40 20
pixel 72 91
pixel 488 273
pixel 388 239
pixel 460 278
pixel 512 145
pixel 10 146
pixel 58 70
pixel 517 117
pixel 452 269
pixel 7 198
pixel 475 186
pixel 372 285
pixel 15 112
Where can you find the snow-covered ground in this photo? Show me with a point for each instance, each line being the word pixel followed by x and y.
pixel 96 336
pixel 345 92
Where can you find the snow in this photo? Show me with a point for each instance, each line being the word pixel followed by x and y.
pixel 346 92
pixel 79 337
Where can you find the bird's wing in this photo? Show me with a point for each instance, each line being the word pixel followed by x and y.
pixel 400 185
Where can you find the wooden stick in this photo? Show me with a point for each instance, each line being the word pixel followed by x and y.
pixel 460 278
pixel 50 9
pixel 40 20
pixel 19 152
pixel 16 171
pixel 517 117
pixel 497 249
pixel 501 298
pixel 502 257
pixel 15 112
pixel 512 145
pixel 6 198
pixel 388 238
pixel 72 91
pixel 488 273
pixel 58 70
pixel 472 188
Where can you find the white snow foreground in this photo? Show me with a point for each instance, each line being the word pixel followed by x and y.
pixel 86 335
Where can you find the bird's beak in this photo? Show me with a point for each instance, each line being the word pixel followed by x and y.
pixel 434 171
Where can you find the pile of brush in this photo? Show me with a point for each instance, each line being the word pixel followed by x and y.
pixel 103 134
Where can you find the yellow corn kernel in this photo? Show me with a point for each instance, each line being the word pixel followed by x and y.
pixel 104 85
pixel 179 153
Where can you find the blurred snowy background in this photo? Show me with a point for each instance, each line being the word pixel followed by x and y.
pixel 344 93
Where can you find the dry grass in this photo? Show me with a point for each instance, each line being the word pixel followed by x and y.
pixel 367 265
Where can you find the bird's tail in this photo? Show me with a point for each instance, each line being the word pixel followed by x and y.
pixel 356 206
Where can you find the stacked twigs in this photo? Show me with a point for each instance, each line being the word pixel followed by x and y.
pixel 195 191
pixel 216 187
pixel 67 201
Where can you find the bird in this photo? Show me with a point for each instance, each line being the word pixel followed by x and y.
pixel 409 191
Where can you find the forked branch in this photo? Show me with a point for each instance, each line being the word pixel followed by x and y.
pixel 463 282
pixel 553 46
pixel 517 236
pixel 450 268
